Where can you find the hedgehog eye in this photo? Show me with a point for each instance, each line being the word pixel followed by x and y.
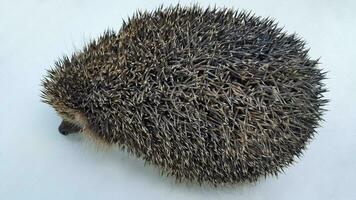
pixel 66 115
pixel 68 124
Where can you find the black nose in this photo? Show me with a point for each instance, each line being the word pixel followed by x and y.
pixel 62 130
pixel 66 128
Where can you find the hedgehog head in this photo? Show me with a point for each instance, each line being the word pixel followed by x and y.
pixel 64 92
pixel 74 87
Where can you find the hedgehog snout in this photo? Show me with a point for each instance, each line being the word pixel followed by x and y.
pixel 66 128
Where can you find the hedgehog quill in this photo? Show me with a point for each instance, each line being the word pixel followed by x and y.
pixel 212 95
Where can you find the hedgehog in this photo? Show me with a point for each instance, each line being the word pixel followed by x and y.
pixel 208 95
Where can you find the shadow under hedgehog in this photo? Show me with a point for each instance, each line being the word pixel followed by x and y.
pixel 210 95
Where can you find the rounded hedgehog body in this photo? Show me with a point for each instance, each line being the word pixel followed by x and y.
pixel 215 95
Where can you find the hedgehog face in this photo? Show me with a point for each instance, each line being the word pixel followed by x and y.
pixel 67 128
pixel 72 121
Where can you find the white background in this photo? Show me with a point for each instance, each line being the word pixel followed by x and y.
pixel 36 162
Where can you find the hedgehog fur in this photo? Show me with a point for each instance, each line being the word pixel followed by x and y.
pixel 209 95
